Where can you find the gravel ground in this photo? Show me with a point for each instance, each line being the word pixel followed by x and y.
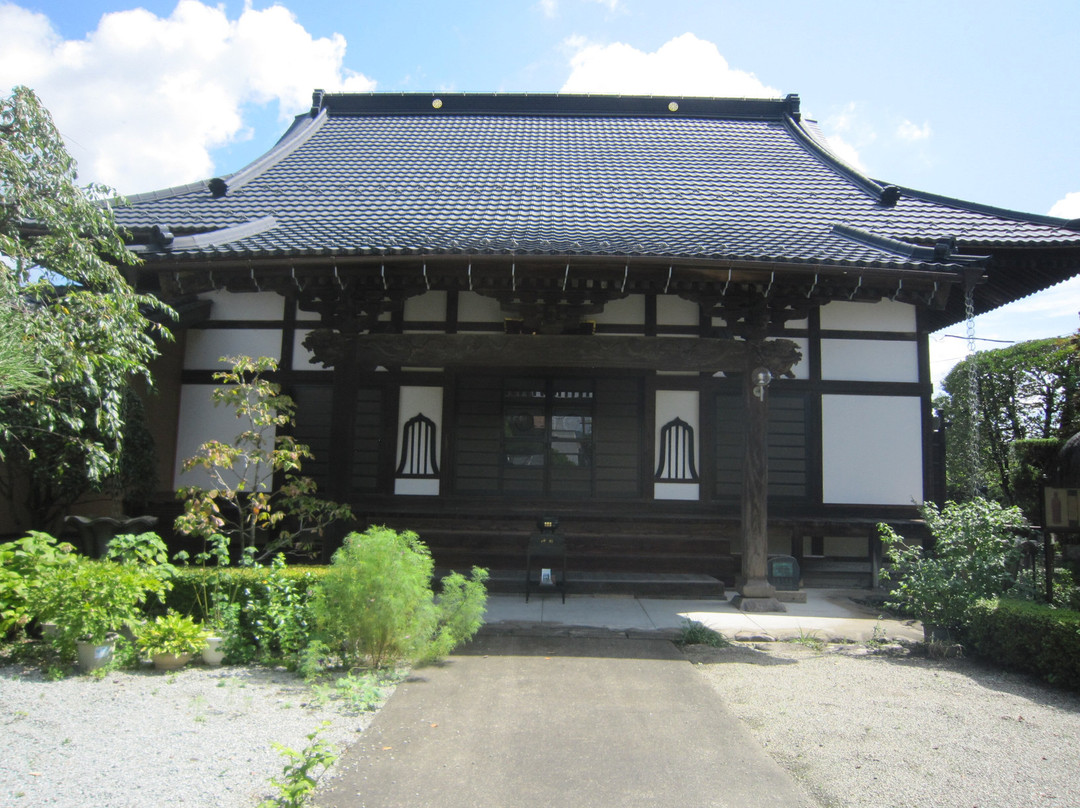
pixel 884 731
pixel 856 729
pixel 200 737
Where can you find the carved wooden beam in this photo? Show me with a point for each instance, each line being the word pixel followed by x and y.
pixel 551 351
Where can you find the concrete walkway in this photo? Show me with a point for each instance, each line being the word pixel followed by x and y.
pixel 828 614
pixel 559 721
pixel 586 703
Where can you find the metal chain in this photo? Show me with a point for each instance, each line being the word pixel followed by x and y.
pixel 974 475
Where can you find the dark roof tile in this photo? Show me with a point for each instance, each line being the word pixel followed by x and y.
pixel 735 179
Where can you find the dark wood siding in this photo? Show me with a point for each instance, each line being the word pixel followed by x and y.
pixel 787 446
pixel 314 404
pixel 369 434
pixel 477 435
pixel 617 436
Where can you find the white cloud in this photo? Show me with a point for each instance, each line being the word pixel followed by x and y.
pixel 912 132
pixel 611 4
pixel 846 134
pixel 1067 207
pixel 846 152
pixel 683 66
pixel 150 96
pixel 549 7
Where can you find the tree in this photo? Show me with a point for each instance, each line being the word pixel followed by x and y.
pixel 88 333
pixel 18 370
pixel 245 503
pixel 1025 393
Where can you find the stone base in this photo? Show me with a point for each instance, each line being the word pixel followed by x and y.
pixel 746 604
pixel 790 596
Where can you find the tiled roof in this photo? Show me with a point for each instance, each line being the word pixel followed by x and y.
pixel 567 175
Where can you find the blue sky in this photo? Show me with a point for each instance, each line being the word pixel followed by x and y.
pixel 977 100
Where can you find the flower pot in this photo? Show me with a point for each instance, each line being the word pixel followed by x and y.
pixel 213 652
pixel 936 634
pixel 170 662
pixel 94 655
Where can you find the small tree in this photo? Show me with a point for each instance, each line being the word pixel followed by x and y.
pixel 83 328
pixel 375 605
pixel 243 503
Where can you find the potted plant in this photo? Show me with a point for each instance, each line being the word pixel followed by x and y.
pixel 170 640
pixel 91 602
pixel 215 599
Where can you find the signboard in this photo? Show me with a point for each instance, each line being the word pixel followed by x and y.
pixel 1062 509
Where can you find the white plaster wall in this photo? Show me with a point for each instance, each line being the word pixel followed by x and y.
pixel 624 311
pixel 204 347
pixel 476 308
pixel 802 370
pixel 429 401
pixel 885 315
pixel 871 449
pixel 671 310
pixel 672 404
pixel 870 360
pixel 430 306
pixel 245 305
pixel 199 422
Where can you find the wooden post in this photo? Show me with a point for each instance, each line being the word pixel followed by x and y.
pixel 756 593
pixel 342 423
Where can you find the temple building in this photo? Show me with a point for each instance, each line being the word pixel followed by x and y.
pixel 681 327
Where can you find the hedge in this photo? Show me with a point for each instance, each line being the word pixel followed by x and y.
pixel 188 580
pixel 1030 637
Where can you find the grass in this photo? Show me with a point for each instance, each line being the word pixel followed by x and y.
pixel 809 640
pixel 695 633
pixel 358 692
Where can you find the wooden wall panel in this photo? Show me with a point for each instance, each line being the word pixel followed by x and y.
pixel 787 446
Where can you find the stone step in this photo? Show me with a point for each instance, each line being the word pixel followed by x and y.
pixel 650 585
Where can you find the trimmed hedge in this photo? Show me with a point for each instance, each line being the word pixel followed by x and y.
pixel 1029 637
pixel 188 579
pixel 272 620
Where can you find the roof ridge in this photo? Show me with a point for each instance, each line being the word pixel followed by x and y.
pixel 210 238
pixel 294 137
pixel 556 104
pixel 304 127
pixel 940 253
pixel 163 193
pixel 819 148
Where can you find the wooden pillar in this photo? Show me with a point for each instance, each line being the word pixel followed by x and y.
pixel 342 429
pixel 756 594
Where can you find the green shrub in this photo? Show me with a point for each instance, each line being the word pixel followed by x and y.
pixel 1030 637
pixel 90 599
pixel 974 556
pixel 460 609
pixel 264 612
pixel 376 606
pixel 24 566
pixel 171 633
pixel 147 549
